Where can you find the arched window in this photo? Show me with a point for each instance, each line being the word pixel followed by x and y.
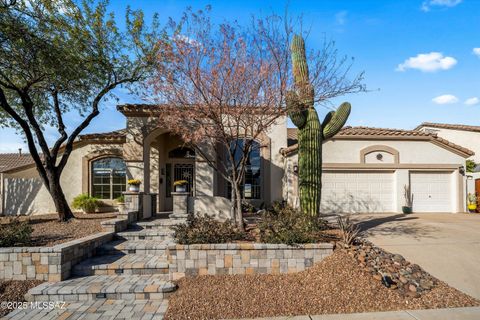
pixel 109 178
pixel 251 187
pixel 182 153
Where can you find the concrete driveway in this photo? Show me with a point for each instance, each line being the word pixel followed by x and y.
pixel 445 245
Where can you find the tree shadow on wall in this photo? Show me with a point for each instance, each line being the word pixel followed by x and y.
pixel 20 194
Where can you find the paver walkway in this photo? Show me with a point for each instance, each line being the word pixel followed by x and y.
pixel 445 245
pixel 128 279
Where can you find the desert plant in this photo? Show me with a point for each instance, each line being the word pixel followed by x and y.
pixel 206 229
pixel 311 132
pixel 284 224
pixel 15 232
pixel 85 202
pixel 120 199
pixel 349 231
pixel 470 165
pixel 408 196
pixel 472 198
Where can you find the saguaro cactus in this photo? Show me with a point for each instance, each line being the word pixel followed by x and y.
pixel 311 133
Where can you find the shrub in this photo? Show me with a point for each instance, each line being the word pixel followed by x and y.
pixel 205 229
pixel 120 199
pixel 15 232
pixel 85 202
pixel 349 231
pixel 284 224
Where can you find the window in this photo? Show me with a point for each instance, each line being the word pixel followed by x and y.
pixel 108 178
pixel 251 187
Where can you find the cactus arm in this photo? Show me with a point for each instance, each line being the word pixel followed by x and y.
pixel 296 110
pixel 328 118
pixel 337 121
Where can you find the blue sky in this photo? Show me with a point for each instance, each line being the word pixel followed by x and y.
pixel 418 56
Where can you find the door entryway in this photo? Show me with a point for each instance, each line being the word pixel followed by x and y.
pixel 176 171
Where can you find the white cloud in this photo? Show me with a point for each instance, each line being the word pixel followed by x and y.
pixel 472 101
pixel 476 51
pixel 341 18
pixel 445 99
pixel 428 62
pixel 426 5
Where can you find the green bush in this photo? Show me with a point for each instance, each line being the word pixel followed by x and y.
pixel 85 202
pixel 206 229
pixel 14 233
pixel 284 224
pixel 120 199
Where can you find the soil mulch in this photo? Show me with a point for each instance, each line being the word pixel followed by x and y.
pixel 47 231
pixel 335 285
pixel 14 291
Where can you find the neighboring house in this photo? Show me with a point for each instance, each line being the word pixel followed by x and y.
pixel 465 135
pixel 365 170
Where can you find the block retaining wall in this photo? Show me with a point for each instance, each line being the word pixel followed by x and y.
pixel 243 258
pixel 48 263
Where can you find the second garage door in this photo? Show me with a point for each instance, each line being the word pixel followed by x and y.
pixel 432 191
pixel 350 191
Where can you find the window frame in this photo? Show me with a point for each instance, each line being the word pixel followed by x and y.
pixel 111 183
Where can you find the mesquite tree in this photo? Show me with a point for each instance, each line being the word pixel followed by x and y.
pixel 59 56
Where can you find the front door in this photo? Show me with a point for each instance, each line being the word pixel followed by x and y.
pixel 178 171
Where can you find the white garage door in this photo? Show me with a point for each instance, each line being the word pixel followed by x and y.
pixel 432 191
pixel 355 191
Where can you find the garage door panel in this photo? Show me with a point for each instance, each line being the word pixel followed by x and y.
pixel 432 191
pixel 357 192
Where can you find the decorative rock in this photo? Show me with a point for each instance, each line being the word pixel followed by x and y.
pixel 377 277
pixel 403 279
pixel 412 288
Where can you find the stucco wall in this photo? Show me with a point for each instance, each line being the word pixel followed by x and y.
pixel 25 193
pixel 467 139
pixel 342 154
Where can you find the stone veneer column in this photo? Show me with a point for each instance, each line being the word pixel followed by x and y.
pixel 180 205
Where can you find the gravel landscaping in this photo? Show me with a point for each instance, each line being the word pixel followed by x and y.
pixel 338 284
pixel 14 291
pixel 47 231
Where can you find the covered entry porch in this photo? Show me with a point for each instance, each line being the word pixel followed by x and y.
pixel 158 159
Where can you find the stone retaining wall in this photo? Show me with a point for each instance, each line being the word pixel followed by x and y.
pixel 48 263
pixel 243 258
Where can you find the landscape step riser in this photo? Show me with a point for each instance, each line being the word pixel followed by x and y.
pixel 155 252
pixel 94 296
pixel 143 271
pixel 134 237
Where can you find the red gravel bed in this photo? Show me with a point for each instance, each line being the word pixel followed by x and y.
pixel 335 285
pixel 14 291
pixel 47 231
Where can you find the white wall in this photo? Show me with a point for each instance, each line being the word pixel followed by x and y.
pixel 467 139
pixel 24 190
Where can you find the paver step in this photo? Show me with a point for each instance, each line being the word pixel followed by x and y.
pixel 96 309
pixel 114 287
pixel 144 235
pixel 158 223
pixel 138 247
pixel 122 264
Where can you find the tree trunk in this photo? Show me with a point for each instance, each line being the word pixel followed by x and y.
pixel 58 197
pixel 238 208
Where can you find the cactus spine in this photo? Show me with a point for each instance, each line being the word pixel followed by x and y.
pixel 311 133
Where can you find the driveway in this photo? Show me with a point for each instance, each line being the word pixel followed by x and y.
pixel 445 245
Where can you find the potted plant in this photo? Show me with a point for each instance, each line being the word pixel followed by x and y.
pixel 85 202
pixel 134 185
pixel 407 194
pixel 472 202
pixel 180 185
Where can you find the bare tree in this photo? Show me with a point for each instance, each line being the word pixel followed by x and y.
pixel 224 85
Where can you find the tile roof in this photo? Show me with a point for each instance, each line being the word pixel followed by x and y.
pixel 10 161
pixel 348 131
pixel 117 134
pixel 462 127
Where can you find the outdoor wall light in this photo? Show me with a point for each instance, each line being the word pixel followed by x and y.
pixel 461 170
pixel 379 156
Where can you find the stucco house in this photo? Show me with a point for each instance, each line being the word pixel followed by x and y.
pixel 465 135
pixel 365 170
